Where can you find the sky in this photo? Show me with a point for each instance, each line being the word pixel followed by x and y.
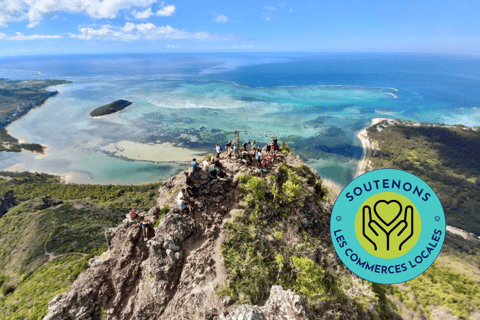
pixel 132 26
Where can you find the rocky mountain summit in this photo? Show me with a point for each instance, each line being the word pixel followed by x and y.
pixel 178 271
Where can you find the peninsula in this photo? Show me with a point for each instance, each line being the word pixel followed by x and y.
pixel 16 99
pixel 112 107
pixel 445 157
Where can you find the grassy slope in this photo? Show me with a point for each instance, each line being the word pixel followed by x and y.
pixel 271 242
pixel 447 159
pixel 73 231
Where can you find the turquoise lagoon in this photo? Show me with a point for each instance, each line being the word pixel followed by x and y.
pixel 317 104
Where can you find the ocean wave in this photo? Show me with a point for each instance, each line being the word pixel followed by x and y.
pixel 389 112
pixel 394 96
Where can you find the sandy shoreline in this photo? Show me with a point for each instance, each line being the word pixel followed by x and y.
pixel 367 146
pixel 22 141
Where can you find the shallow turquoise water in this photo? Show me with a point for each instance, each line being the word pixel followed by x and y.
pixel 317 105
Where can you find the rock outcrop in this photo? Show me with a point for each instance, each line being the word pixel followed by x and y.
pixel 7 202
pixel 281 305
pixel 174 273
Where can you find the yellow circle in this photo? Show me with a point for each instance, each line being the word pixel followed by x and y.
pixel 388 225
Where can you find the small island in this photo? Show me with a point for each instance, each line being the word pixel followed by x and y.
pixel 113 107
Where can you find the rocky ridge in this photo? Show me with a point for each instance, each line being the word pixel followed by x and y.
pixel 174 273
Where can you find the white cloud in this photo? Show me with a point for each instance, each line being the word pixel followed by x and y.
pixel 2 36
pixel 35 10
pixel 21 36
pixel 221 18
pixel 269 8
pixel 291 10
pixel 143 14
pixel 167 10
pixel 147 31
pixel 169 46
pixel 268 18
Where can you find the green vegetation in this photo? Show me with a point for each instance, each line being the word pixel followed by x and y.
pixel 280 240
pixel 445 158
pixel 285 148
pixel 16 99
pixel 70 232
pixel 440 286
pixel 112 107
pixel 27 186
pixel 162 212
pixel 29 301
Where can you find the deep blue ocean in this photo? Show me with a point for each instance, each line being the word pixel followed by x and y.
pixel 315 102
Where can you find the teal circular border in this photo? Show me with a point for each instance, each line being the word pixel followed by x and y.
pixel 343 219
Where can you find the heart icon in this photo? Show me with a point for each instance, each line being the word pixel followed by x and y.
pixel 387 211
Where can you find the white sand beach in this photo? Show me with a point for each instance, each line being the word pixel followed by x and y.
pixel 14 168
pixel 367 146
pixel 163 152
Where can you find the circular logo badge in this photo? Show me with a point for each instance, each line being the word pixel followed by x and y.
pixel 387 226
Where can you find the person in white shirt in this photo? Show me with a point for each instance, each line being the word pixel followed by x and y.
pixel 180 194
pixel 181 200
pixel 205 165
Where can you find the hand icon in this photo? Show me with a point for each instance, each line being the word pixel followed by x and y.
pixel 406 227
pixel 368 232
pixel 378 233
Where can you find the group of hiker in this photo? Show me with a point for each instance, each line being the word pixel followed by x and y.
pixel 252 154
pixel 249 154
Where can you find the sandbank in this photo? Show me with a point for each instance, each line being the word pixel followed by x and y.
pixel 14 168
pixel 163 152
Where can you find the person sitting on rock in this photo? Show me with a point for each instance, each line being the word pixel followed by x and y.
pixel 217 163
pixel 132 214
pixel 213 170
pixel 195 165
pixel 245 157
pixel 181 194
pixel 145 227
pixel 191 190
pixel 181 200
pixel 221 173
pixel 205 165
pixel 182 204
pixel 245 146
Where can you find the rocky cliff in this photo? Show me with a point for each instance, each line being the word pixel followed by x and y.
pixel 176 273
